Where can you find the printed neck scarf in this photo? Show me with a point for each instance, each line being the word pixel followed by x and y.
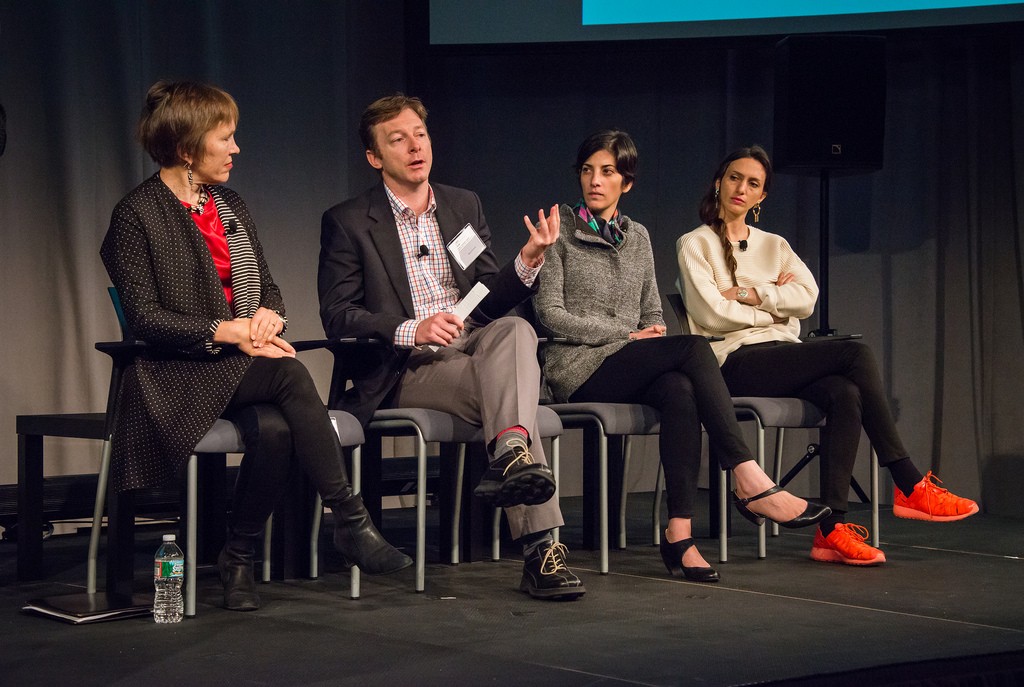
pixel 609 230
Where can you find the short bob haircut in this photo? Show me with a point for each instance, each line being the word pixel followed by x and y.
pixel 178 115
pixel 383 109
pixel 616 142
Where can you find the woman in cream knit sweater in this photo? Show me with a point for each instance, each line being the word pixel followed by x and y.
pixel 749 287
pixel 598 291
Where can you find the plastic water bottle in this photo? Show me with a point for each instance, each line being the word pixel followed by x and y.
pixel 168 574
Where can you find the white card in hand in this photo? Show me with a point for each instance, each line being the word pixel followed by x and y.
pixel 472 299
pixel 468 304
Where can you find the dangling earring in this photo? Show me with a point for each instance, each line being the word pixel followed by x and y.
pixel 757 213
pixel 716 196
pixel 188 168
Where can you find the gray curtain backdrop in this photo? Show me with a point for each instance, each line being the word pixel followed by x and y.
pixel 73 76
pixel 926 254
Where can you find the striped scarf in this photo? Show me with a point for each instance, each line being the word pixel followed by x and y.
pixel 245 273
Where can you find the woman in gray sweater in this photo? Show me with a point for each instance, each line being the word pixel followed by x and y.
pixel 598 290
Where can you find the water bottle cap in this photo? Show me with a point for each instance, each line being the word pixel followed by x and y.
pixel 169 537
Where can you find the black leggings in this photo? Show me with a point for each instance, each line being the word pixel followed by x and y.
pixel 280 413
pixel 679 376
pixel 841 378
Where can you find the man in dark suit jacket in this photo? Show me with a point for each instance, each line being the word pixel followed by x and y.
pixel 394 262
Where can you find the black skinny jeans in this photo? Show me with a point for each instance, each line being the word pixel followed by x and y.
pixel 841 378
pixel 279 411
pixel 679 376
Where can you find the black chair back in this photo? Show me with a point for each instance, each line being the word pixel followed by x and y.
pixel 675 301
pixel 122 354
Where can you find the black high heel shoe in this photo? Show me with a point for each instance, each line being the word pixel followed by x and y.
pixel 672 554
pixel 812 515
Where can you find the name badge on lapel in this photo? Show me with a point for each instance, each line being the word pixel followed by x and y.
pixel 466 246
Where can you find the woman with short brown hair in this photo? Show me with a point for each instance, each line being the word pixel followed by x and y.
pixel 183 253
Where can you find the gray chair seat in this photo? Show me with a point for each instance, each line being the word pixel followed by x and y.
pixel 781 412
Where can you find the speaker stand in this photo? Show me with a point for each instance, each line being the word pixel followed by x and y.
pixel 823 252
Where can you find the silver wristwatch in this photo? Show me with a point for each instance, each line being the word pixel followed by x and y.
pixel 741 294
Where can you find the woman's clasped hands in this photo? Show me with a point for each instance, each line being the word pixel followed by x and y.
pixel 651 332
pixel 257 336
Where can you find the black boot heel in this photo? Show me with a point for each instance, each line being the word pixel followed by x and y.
pixel 359 541
pixel 235 565
pixel 812 515
pixel 672 555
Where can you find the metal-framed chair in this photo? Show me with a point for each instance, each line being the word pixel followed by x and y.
pixel 350 433
pixel 425 426
pixel 621 421
pixel 549 425
pixel 780 414
pixel 609 420
pixel 224 437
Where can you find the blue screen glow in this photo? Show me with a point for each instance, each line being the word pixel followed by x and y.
pixel 660 11
pixel 539 21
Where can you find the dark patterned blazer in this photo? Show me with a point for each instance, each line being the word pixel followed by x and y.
pixel 173 300
pixel 365 293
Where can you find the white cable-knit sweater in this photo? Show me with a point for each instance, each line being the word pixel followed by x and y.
pixel 703 276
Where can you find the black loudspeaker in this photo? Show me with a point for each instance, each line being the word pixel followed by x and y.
pixel 829 103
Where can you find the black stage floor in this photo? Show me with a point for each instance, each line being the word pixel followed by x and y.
pixel 946 609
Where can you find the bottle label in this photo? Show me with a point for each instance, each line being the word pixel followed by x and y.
pixel 172 568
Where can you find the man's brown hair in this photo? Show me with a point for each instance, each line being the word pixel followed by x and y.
pixel 383 109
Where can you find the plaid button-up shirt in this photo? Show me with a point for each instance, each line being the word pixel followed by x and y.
pixel 430 276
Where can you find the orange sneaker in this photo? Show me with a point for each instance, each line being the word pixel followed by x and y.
pixel 931 502
pixel 845 544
